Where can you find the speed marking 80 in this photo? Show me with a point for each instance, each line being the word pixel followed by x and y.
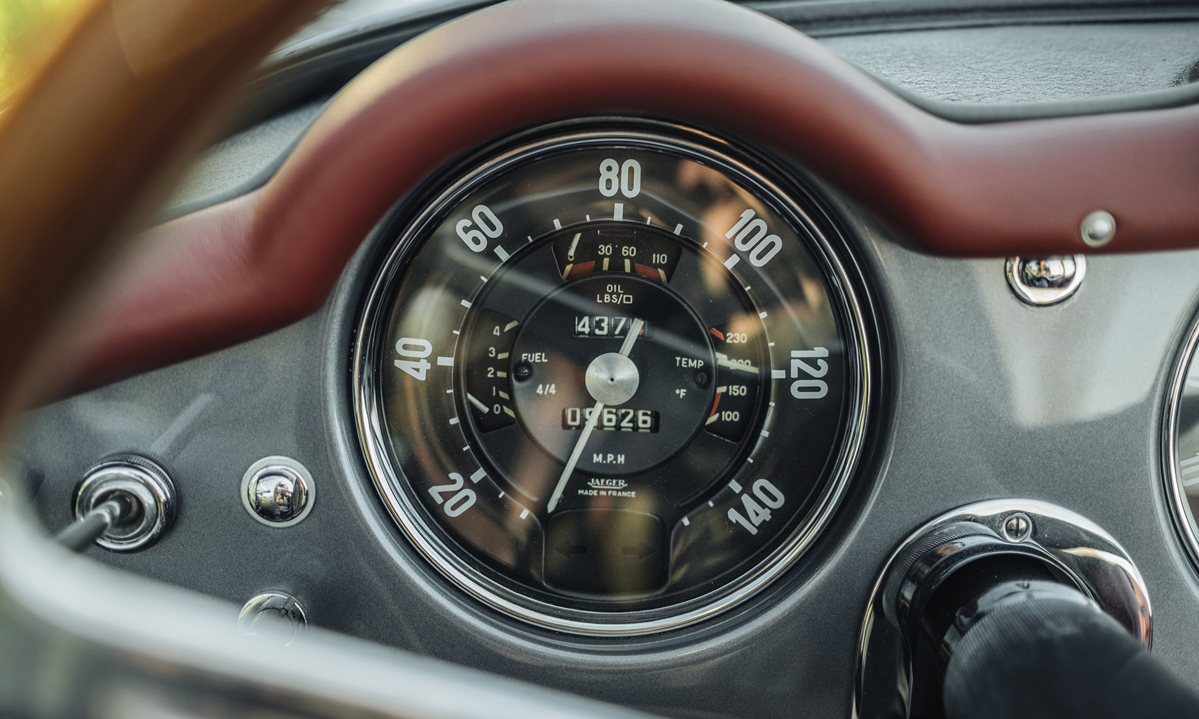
pixel 620 177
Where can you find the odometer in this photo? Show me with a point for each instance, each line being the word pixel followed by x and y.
pixel 612 381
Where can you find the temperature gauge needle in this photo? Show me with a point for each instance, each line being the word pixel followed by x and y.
pixel 629 340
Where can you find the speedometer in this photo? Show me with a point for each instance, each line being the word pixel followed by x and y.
pixel 612 380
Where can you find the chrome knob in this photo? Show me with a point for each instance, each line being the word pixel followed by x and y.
pixel 277 491
pixel 278 494
pixel 1044 281
pixel 1048 272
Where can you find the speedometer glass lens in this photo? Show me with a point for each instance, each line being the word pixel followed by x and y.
pixel 611 381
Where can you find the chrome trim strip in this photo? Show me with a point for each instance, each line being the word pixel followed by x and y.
pixel 1179 511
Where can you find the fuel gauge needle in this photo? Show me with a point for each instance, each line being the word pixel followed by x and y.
pixel 629 340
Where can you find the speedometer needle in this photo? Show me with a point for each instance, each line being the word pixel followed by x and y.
pixel 625 349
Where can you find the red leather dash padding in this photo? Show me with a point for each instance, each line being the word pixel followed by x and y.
pixel 258 263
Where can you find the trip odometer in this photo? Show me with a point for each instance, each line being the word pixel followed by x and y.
pixel 612 381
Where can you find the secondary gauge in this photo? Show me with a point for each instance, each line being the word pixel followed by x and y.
pixel 612 381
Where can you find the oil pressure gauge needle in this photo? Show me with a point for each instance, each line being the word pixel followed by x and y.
pixel 629 340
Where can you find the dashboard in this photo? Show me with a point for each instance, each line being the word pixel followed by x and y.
pixel 638 405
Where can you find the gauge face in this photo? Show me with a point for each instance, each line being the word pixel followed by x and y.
pixel 611 381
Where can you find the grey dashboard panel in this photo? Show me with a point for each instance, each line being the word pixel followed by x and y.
pixel 966 74
pixel 991 399
pixel 987 398
pixel 244 160
pixel 1028 63
pixel 961 72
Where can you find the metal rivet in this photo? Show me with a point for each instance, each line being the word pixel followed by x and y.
pixel 1017 527
pixel 278 491
pixel 1097 228
pixel 273 615
pixel 1042 281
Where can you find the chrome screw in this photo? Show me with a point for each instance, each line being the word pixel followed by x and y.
pixel 1017 527
pixel 1097 228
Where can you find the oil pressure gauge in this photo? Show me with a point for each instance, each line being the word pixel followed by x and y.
pixel 612 381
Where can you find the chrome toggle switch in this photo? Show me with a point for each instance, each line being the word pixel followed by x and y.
pixel 144 488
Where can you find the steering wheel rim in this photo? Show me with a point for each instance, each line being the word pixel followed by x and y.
pixel 81 163
pixel 90 142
